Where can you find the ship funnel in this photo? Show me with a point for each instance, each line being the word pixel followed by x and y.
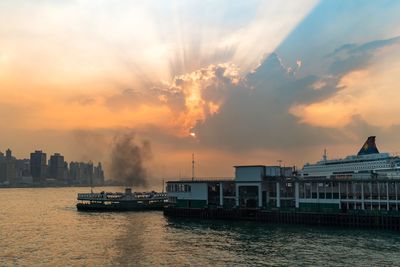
pixel 369 147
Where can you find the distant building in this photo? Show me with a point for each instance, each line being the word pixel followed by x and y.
pixel 73 172
pixel 8 173
pixel 9 154
pixel 98 175
pixel 23 167
pixel 81 172
pixel 85 173
pixel 38 166
pixel 56 167
pixel 55 171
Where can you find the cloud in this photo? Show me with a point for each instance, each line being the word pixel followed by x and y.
pixel 129 98
pixel 256 114
pixel 272 108
pixel 349 57
pixel 370 46
pixel 365 77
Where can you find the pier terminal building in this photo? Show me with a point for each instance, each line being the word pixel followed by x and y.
pixel 366 183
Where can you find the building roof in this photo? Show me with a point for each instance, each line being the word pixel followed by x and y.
pixel 202 180
pixel 248 166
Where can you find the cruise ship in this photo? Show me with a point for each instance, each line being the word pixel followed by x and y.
pixel 369 161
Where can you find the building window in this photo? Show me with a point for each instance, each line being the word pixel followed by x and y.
pixel 178 188
pixel 172 199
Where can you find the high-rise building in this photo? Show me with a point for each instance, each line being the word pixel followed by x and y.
pixel 98 174
pixel 81 173
pixel 23 169
pixel 9 154
pixel 86 172
pixel 38 166
pixel 73 171
pixel 8 171
pixel 56 167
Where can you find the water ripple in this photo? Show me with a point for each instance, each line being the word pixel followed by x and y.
pixel 41 227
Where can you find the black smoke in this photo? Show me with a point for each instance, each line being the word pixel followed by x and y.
pixel 127 160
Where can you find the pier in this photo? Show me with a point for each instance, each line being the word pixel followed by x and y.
pixel 355 219
pixel 273 194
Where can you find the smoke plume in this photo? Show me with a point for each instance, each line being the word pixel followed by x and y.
pixel 127 160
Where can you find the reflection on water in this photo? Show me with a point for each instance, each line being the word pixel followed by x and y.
pixel 42 227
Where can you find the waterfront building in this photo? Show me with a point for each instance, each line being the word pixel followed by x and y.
pixel 374 187
pixel 248 189
pixel 38 166
pixel 251 188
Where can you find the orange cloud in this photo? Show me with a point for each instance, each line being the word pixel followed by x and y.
pixel 204 91
pixel 371 93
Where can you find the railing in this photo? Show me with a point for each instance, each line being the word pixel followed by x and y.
pixel 208 179
pixel 117 196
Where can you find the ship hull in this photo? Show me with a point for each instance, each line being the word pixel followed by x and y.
pixel 118 207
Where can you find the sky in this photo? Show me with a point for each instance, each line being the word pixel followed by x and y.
pixel 235 82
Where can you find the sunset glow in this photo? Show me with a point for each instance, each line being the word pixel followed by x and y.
pixel 190 75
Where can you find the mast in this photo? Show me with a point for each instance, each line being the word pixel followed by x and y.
pixel 91 184
pixel 192 166
pixel 325 156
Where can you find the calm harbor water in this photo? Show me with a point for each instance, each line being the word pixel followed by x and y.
pixel 41 227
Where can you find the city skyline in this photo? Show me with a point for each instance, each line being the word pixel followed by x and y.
pixel 37 170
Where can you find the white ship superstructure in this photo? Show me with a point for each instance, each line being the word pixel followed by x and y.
pixel 368 161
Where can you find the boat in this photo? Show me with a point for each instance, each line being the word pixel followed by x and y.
pixel 117 201
pixel 369 161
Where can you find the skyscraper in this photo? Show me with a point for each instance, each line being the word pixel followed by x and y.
pixel 38 166
pixel 8 171
pixel 8 154
pixel 98 174
pixel 56 167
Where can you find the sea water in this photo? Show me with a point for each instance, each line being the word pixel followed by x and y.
pixel 41 227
